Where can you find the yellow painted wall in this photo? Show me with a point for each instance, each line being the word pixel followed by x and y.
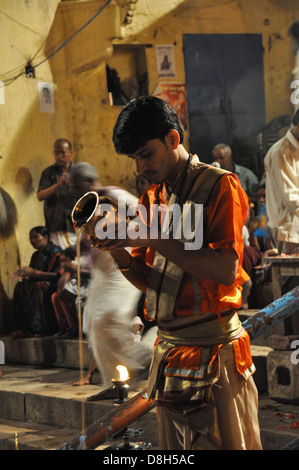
pixel 25 134
pixel 83 114
pixel 270 18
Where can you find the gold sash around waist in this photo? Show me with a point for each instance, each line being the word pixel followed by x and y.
pixel 191 333
pixel 203 334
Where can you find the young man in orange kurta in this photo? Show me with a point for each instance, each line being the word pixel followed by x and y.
pixel 201 373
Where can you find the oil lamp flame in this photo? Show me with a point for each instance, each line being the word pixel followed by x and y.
pixel 123 373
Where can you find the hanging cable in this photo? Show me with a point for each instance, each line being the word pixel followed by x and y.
pixel 7 80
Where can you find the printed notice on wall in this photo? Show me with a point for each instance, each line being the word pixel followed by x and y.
pixel 46 97
pixel 175 95
pixel 165 60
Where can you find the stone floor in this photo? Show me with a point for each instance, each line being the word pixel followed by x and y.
pixel 41 409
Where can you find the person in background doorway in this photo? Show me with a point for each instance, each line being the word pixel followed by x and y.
pixel 222 153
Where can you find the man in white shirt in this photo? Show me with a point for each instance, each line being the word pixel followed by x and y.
pixel 282 189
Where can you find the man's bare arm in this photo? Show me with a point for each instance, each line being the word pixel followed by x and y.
pixel 47 192
pixel 219 265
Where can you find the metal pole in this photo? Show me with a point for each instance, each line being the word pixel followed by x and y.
pixel 275 312
pixel 111 423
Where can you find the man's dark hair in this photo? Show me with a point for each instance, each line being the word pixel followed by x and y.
pixel 144 119
pixel 295 119
pixel 59 141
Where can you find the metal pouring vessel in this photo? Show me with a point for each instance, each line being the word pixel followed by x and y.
pixel 87 213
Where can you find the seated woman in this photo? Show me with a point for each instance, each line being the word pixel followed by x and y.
pixel 66 298
pixel 33 313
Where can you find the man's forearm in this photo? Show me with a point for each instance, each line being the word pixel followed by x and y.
pixel 47 192
pixel 214 265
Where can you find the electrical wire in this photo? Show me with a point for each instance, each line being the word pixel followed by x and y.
pixel 7 79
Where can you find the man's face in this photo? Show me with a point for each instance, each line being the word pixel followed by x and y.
pixel 223 157
pixel 62 154
pixel 156 159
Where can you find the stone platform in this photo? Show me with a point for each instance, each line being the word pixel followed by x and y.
pixel 41 409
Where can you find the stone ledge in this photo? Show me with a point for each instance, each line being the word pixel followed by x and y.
pixel 283 376
pixel 282 343
pixel 259 357
pixel 46 351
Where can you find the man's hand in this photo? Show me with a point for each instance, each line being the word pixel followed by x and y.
pixel 113 236
pixel 63 178
pixel 47 192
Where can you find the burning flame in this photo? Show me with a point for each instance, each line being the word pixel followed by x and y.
pixel 123 373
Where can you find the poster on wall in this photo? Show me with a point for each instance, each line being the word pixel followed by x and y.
pixel 165 60
pixel 46 97
pixel 175 95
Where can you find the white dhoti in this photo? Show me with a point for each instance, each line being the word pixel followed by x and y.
pixel 236 425
pixel 110 306
pixel 63 239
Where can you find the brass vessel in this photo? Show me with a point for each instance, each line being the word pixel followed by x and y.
pixel 88 212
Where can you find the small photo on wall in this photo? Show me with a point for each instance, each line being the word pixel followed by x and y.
pixel 165 60
pixel 46 97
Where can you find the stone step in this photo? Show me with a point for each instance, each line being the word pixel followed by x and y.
pixel 41 409
pixel 53 352
pixel 40 404
pixel 46 351
pixel 45 410
pixel 22 435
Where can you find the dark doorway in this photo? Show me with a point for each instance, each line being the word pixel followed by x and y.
pixel 225 89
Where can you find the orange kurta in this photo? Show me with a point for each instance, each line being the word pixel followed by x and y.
pixel 225 214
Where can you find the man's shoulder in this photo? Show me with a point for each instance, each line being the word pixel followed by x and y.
pixel 207 178
pixel 279 147
pixel 50 169
pixel 201 168
pixel 244 170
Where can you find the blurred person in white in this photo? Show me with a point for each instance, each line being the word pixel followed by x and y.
pixel 282 189
pixel 111 303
